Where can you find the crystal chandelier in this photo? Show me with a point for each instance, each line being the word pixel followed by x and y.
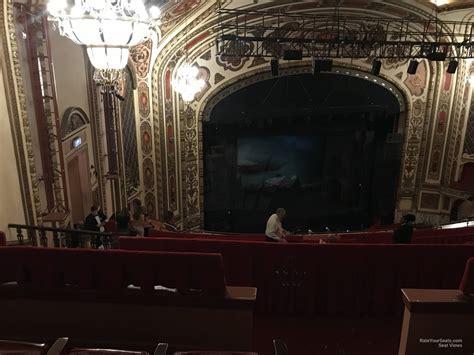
pixel 187 83
pixel 108 28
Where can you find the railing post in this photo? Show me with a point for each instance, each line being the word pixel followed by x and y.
pixel 43 239
pixel 19 235
pixel 56 239
pixel 81 239
pixel 32 237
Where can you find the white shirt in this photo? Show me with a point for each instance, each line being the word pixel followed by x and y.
pixel 274 228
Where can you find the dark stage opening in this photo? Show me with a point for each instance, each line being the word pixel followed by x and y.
pixel 325 149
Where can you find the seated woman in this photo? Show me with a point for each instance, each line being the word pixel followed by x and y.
pixel 138 223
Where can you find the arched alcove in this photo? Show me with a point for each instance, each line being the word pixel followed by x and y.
pixel 327 149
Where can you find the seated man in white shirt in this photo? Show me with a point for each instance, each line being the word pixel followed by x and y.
pixel 274 231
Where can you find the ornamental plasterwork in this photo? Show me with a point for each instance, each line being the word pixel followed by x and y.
pixel 19 115
pixel 140 57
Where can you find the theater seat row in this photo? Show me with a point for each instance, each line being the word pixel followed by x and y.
pixel 44 268
pixel 309 278
pixel 61 347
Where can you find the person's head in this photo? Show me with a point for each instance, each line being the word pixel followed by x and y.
pixel 94 210
pixel 169 218
pixel 281 213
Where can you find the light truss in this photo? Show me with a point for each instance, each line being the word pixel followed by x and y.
pixel 269 34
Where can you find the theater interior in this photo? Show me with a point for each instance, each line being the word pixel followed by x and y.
pixel 145 144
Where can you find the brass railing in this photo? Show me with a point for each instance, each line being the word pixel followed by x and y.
pixel 62 237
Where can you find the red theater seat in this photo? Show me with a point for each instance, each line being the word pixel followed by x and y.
pixel 43 268
pixel 86 351
pixel 334 279
pixel 467 282
pixel 214 353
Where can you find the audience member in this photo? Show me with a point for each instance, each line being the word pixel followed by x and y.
pixel 466 209
pixel 123 220
pixel 274 231
pixel 111 224
pixel 138 223
pixel 402 235
pixel 169 223
pixel 94 223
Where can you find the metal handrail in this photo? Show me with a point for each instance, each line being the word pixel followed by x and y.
pixel 60 230
pixel 56 232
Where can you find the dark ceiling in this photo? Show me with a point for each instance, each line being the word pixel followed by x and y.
pixel 304 95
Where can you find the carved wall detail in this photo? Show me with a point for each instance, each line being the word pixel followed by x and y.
pixel 429 201
pixel 143 99
pixel 140 55
pixel 146 138
pixel 17 100
pixel 440 126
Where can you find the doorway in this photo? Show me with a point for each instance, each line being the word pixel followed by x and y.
pixel 79 185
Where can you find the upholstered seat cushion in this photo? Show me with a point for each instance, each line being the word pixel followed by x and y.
pixel 86 351
pixel 215 353
pixel 467 282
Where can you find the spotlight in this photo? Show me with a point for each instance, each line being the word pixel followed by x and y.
pixel 321 65
pixel 292 54
pixel 436 56
pixel 412 67
pixel 452 66
pixel 376 65
pixel 274 63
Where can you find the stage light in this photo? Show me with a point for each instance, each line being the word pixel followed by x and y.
pixel 292 54
pixel 452 66
pixel 274 63
pixel 412 67
pixel 321 65
pixel 436 56
pixel 376 66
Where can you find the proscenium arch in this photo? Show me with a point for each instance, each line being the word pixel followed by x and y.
pixel 260 74
pixel 187 118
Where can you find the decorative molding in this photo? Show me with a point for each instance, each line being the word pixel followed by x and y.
pixel 140 56
pixel 74 118
pixel 17 106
